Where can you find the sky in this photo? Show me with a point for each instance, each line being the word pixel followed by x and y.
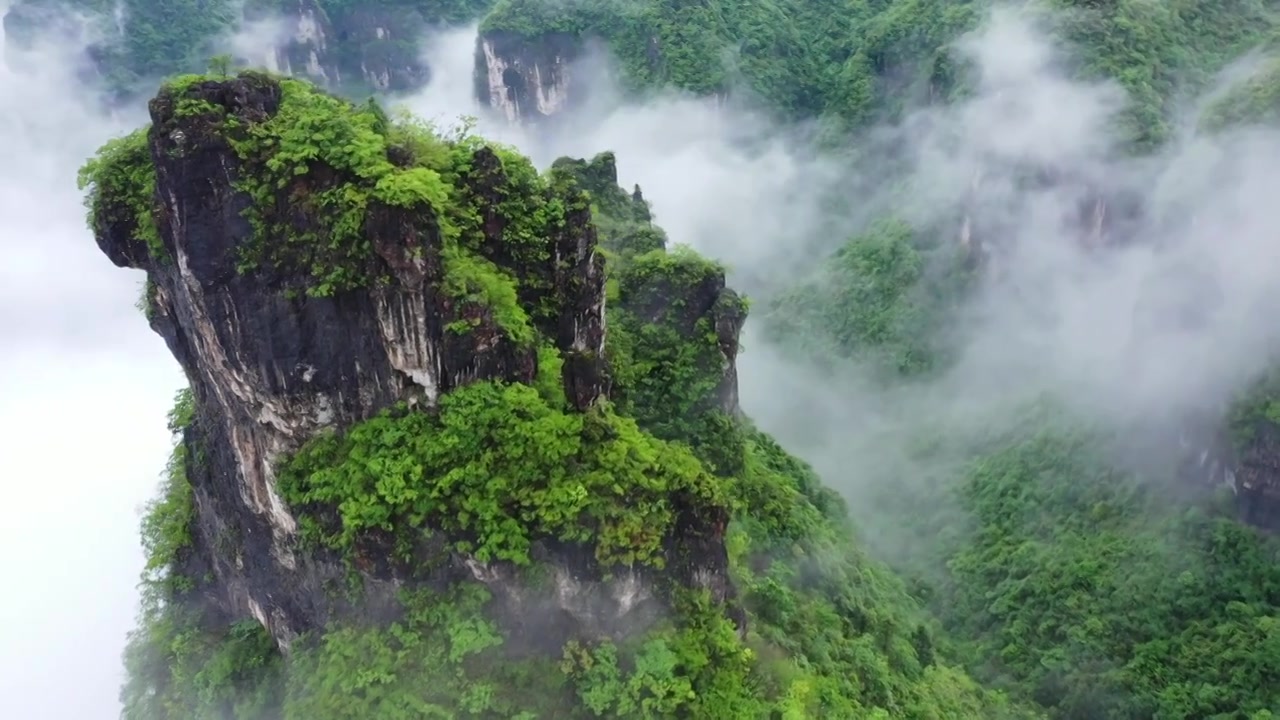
pixel 84 389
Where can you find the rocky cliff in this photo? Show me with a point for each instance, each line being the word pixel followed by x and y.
pixel 463 437
pixel 528 79
pixel 343 45
pixel 296 307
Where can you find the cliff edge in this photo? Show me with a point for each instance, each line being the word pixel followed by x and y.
pixel 310 267
pixel 416 475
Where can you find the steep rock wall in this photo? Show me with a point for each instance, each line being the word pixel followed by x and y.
pixel 272 363
pixel 525 79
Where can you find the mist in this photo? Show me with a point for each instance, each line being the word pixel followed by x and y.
pixel 1132 293
pixel 721 176
pixel 84 388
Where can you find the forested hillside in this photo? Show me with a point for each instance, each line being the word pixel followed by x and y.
pixel 1079 562
pixel 864 61
pixel 1081 533
pixel 855 61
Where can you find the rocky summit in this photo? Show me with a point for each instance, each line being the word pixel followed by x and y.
pixel 475 415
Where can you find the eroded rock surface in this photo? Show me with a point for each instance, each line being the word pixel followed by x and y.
pixel 271 367
pixel 527 80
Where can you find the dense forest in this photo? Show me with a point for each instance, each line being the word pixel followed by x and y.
pixel 1019 556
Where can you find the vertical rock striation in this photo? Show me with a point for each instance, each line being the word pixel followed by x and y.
pixel 527 80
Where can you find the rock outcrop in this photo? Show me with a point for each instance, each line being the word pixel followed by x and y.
pixel 1242 458
pixel 527 80
pixel 277 353
pixel 1256 479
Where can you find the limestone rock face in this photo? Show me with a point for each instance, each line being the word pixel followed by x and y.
pixel 1257 479
pixel 271 368
pixel 1247 464
pixel 367 44
pixel 527 80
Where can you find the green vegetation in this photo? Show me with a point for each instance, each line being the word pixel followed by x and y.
pixel 804 58
pixel 432 12
pixel 668 359
pixel 1071 585
pixel 167 37
pixel 142 40
pixel 586 478
pixel 314 129
pixel 176 663
pixel 121 184
pixel 1103 597
pixel 166 525
pixel 1255 100
pixel 1160 51
pixel 496 468
pixel 831 634
pixel 861 61
pixel 1088 591
pixel 666 354
pixel 854 61
pixel 320 170
pixel 881 301
pixel 1064 581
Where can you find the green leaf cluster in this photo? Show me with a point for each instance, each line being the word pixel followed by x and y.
pixel 121 184
pixel 1256 100
pixel 320 170
pixel 882 301
pixel 862 61
pixel 667 359
pixel 831 634
pixel 496 469
pixel 1100 596
pixel 1083 589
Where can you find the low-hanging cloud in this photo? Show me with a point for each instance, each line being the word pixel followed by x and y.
pixel 1135 292
pixel 84 388
pixel 1099 262
pixel 721 177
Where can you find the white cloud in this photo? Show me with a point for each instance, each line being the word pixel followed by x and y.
pixel 84 388
pixel 721 177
